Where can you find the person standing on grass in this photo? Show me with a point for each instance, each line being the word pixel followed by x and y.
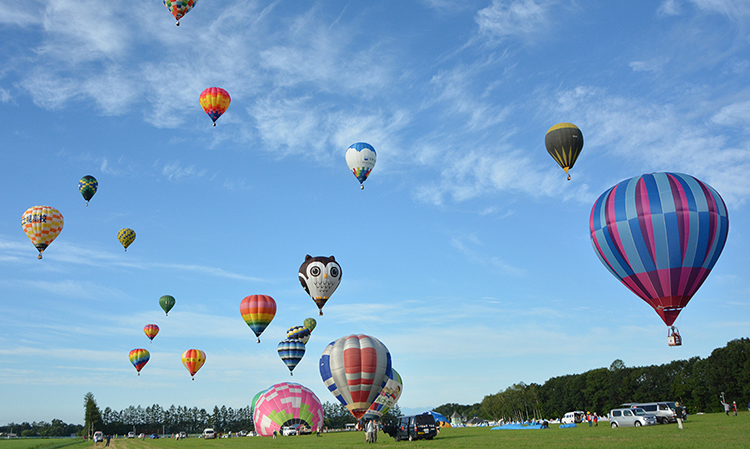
pixel 678 412
pixel 734 407
pixel 726 407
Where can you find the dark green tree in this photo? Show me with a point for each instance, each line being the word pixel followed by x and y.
pixel 92 417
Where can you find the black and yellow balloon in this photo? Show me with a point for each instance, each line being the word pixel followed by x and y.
pixel 564 143
pixel 88 186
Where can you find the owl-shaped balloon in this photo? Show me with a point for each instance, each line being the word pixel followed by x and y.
pixel 320 276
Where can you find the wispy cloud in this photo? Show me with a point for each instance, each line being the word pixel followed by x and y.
pixel 517 18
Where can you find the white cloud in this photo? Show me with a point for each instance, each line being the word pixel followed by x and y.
pixel 669 8
pixel 514 18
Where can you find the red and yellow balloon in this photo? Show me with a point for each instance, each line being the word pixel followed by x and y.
pixel 193 359
pixel 215 102
pixel 151 330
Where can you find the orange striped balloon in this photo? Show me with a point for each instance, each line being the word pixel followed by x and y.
pixel 215 102
pixel 193 359
pixel 42 224
pixel 258 311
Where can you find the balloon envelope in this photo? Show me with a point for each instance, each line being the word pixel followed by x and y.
pixel 215 102
pixel 361 157
pixel 287 404
pixel 300 333
pixel 88 186
pixel 126 236
pixel 310 323
pixel 258 311
pixel 193 359
pixel 387 397
pixel 139 357
pixel 42 225
pixel 564 143
pixel 291 352
pixel 320 277
pixel 166 302
pixel 660 234
pixel 151 330
pixel 179 8
pixel 355 369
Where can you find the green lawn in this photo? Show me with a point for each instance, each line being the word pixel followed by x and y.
pixel 701 431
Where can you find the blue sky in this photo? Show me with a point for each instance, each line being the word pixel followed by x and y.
pixel 467 253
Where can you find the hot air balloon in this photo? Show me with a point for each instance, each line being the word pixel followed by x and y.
pixel 320 277
pixel 166 302
pixel 300 333
pixel 287 404
pixel 255 400
pixel 360 157
pixel 291 352
pixel 139 357
pixel 660 234
pixel 310 323
pixel 355 369
pixel 87 186
pixel 215 102
pixel 126 236
pixel 387 397
pixel 151 330
pixel 179 8
pixel 42 224
pixel 193 359
pixel 258 311
pixel 564 142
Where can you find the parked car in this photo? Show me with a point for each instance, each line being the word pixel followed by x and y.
pixel 412 428
pixel 288 431
pixel 573 417
pixel 664 411
pixel 302 429
pixel 183 435
pixel 98 436
pixel 208 434
pixel 131 434
pixel 154 436
pixel 631 417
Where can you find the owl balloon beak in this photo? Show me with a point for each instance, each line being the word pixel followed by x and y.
pixel 325 275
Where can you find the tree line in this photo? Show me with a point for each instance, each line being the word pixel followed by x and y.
pixel 696 383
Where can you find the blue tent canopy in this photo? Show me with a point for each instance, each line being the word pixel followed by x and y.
pixel 438 417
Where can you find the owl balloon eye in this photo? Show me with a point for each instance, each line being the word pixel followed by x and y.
pixel 334 272
pixel 315 271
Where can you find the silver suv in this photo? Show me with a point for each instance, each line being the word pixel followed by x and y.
pixel 630 417
pixel 664 411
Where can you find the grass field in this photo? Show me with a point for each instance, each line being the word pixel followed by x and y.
pixel 701 431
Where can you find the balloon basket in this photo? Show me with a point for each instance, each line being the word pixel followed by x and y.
pixel 673 337
pixel 320 312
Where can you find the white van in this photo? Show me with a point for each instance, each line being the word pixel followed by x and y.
pixel 573 417
pixel 208 434
pixel 98 436
pixel 664 411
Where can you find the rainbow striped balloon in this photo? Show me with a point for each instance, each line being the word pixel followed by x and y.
pixel 258 312
pixel 139 357
pixel 151 330
pixel 215 101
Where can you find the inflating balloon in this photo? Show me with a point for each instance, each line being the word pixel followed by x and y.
pixel 215 102
pixel 300 333
pixel 355 369
pixel 291 352
pixel 88 186
pixel 320 277
pixel 387 397
pixel 179 8
pixel 564 143
pixel 126 236
pixel 139 357
pixel 42 224
pixel 151 330
pixel 193 359
pixel 258 312
pixel 286 404
pixel 361 157
pixel 660 234
pixel 166 302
